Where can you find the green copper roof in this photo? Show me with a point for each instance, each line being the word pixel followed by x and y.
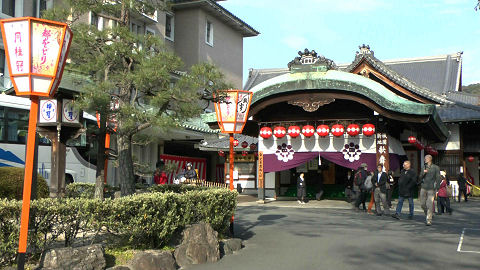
pixel 338 80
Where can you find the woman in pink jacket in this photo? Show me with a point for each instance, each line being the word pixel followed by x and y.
pixel 443 199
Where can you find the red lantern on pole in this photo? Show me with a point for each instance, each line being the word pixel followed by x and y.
pixel 36 52
pixel 293 131
pixel 412 140
pixel 244 144
pixel 235 143
pixel 308 130
pixel 353 130
pixel 266 132
pixel 231 109
pixel 221 153
pixel 279 132
pixel 244 153
pixel 253 147
pixel 368 129
pixel 338 130
pixel 323 130
pixel 470 159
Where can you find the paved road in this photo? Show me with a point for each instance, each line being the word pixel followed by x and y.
pixel 301 237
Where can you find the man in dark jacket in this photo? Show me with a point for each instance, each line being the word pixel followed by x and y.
pixel 406 183
pixel 359 180
pixel 379 181
pixel 462 187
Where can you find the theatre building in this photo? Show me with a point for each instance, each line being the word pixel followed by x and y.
pixel 324 120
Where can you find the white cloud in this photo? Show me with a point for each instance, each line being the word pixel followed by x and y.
pixel 295 42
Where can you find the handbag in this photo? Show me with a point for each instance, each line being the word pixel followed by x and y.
pixel 449 190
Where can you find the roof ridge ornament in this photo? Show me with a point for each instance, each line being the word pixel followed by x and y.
pixel 310 61
pixel 364 49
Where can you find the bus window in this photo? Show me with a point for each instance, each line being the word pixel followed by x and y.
pixel 17 126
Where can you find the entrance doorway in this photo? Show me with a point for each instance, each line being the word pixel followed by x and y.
pixel 323 176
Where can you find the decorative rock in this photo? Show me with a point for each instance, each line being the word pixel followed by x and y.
pixel 153 260
pixel 82 258
pixel 199 245
pixel 228 246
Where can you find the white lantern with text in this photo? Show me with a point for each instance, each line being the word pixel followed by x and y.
pixel 36 53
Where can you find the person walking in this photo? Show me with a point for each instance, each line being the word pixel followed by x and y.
pixel 301 188
pixel 406 183
pixel 430 181
pixel 349 186
pixel 443 199
pixel 379 181
pixel 359 180
pixel 462 187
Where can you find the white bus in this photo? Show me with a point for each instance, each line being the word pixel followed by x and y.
pixel 14 113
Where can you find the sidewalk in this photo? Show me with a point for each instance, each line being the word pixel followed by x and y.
pixel 247 200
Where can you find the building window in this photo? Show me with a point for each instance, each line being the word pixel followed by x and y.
pixel 2 69
pixel 8 7
pixel 40 6
pixel 169 27
pixel 136 29
pixel 209 33
pixel 93 19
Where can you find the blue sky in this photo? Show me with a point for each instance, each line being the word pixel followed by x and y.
pixel 335 28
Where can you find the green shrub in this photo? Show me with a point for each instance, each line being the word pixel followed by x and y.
pixel 11 184
pixel 87 191
pixel 147 220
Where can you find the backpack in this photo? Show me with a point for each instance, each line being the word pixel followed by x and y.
pixel 358 179
pixel 368 183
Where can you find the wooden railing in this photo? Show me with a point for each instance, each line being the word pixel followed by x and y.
pixel 205 183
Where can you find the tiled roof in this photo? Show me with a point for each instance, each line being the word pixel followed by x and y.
pixel 459 113
pixel 473 99
pixel 401 79
pixel 220 12
pixel 223 143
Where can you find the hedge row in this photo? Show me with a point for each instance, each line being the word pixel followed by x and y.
pixel 147 220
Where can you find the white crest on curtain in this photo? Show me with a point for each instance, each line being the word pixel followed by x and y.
pixel 284 152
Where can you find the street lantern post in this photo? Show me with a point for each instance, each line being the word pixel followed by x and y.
pixel 36 52
pixel 231 108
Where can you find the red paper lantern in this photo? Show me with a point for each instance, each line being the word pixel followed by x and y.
pixel 323 130
pixel 412 140
pixel 368 129
pixel 434 152
pixel 221 153
pixel 253 147
pixel 337 130
pixel 235 143
pixel 470 159
pixel 419 145
pixel 279 132
pixel 353 130
pixel 244 144
pixel 265 132
pixel 308 131
pixel 294 131
pixel 255 154
pixel 244 153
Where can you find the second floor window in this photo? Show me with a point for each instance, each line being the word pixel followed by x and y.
pixel 94 19
pixel 209 33
pixel 169 27
pixel 8 7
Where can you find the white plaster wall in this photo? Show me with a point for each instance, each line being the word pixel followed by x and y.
pixel 270 180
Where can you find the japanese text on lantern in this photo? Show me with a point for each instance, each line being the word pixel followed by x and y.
pixel 45 47
pixel 382 149
pixel 16 34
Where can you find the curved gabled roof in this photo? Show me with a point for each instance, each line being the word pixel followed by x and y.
pixel 338 80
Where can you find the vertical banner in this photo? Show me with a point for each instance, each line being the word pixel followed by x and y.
pixel 261 180
pixel 382 150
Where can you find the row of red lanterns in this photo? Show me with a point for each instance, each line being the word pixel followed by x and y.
pixel 429 149
pixel 253 146
pixel 322 130
pixel 244 153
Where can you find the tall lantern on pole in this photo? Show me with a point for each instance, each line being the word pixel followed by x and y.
pixel 36 52
pixel 231 108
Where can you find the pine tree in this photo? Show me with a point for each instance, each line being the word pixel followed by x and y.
pixel 135 71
